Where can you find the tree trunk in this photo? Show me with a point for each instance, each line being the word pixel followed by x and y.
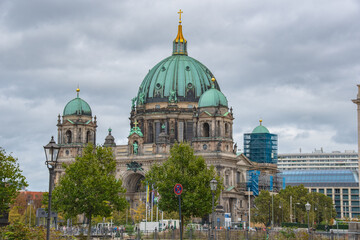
pixel 89 227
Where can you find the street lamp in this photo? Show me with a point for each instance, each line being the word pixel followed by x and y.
pixel 51 153
pixel 213 185
pixel 307 207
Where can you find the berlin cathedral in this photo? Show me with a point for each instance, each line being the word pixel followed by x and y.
pixel 178 100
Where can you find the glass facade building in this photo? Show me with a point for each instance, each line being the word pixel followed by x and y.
pixel 342 185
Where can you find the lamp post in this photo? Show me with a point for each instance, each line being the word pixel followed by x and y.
pixel 29 204
pixel 282 212
pixel 307 207
pixel 51 153
pixel 213 185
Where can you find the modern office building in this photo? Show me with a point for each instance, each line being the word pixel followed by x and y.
pixel 261 146
pixel 334 174
pixel 318 160
pixel 340 184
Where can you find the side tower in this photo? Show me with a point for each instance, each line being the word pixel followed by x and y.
pixel 76 128
pixel 213 123
pixel 261 146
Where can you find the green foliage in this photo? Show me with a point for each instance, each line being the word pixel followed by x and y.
pixel 321 206
pixel 89 185
pixel 288 233
pixel 19 231
pixel 11 180
pixel 192 173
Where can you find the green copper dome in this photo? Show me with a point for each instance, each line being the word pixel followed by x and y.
pixel 77 106
pixel 213 98
pixel 178 78
pixel 260 129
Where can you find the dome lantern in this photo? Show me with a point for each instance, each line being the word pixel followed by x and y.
pixel 180 43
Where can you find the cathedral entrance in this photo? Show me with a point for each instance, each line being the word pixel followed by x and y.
pixel 135 189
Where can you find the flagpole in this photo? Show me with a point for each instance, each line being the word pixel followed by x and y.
pixel 147 200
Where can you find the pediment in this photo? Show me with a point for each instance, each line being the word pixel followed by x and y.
pixel 243 161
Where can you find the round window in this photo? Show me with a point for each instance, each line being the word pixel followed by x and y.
pixel 158 86
pixel 204 146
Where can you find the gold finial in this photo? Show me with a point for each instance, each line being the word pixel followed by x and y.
pixel 77 91
pixel 260 121
pixel 180 12
pixel 213 79
pixel 136 123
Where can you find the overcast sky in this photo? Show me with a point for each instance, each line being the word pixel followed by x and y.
pixel 294 64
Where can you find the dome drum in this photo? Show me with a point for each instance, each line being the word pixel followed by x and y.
pixel 177 77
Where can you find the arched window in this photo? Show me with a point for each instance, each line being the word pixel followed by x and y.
pixel 79 135
pixel 226 130
pixel 68 136
pixel 88 136
pixel 238 177
pixel 206 130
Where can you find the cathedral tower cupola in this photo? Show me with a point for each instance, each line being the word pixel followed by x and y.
pixel 77 127
pixel 180 43
pixel 77 106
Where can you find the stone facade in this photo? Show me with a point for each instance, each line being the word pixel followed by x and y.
pixel 166 110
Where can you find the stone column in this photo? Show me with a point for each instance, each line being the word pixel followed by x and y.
pixel 357 102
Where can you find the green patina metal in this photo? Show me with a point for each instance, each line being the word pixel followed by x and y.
pixel 136 130
pixel 230 188
pixel 174 77
pixel 134 166
pixel 213 98
pixel 77 106
pixel 260 129
pixel 208 113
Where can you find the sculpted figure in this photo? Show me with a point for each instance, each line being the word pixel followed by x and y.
pixel 172 97
pixel 141 99
pixel 135 146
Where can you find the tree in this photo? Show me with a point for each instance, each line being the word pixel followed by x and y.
pixel 139 213
pixel 192 173
pixel 321 206
pixel 89 186
pixel 11 180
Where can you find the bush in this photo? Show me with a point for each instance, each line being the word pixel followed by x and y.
pixel 18 231
pixel 294 225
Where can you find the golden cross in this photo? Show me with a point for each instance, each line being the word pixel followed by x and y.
pixel 136 123
pixel 180 12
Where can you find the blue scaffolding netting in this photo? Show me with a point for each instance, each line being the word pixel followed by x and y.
pixel 261 147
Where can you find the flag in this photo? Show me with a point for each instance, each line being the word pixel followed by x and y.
pixel 147 193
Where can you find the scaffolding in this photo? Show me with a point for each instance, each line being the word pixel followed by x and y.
pixel 261 147
pixel 258 181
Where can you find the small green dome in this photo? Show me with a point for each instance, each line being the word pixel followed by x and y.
pixel 260 129
pixel 77 106
pixel 213 98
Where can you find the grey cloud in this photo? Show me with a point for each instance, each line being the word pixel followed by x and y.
pixel 293 64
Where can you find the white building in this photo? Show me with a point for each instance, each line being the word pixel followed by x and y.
pixel 318 160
